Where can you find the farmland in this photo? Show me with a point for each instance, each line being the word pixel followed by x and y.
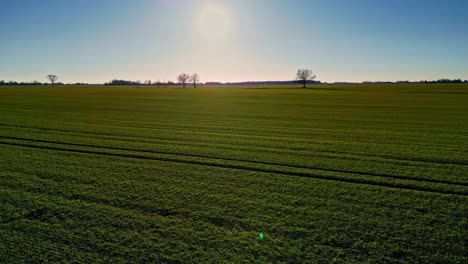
pixel 334 173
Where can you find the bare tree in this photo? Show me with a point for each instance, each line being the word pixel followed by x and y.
pixel 52 78
pixel 195 78
pixel 305 75
pixel 183 78
pixel 158 84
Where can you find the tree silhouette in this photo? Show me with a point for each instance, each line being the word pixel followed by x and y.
pixel 183 78
pixel 195 78
pixel 305 75
pixel 52 78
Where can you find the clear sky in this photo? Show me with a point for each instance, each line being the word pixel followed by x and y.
pixel 233 40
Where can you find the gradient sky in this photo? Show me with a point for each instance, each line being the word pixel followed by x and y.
pixel 233 40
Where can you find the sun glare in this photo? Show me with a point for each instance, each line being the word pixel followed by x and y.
pixel 214 22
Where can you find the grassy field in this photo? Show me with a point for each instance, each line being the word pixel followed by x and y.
pixel 331 174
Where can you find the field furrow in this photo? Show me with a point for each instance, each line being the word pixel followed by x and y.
pixel 359 173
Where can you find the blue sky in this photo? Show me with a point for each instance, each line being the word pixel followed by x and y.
pixel 233 40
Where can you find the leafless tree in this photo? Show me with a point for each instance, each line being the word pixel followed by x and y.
pixel 305 75
pixel 183 78
pixel 195 78
pixel 158 84
pixel 52 78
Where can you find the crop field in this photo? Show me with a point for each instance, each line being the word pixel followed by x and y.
pixel 267 174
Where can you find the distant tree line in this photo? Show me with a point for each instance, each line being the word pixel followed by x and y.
pixel 261 83
pixel 140 83
pixel 424 81
pixel 446 81
pixel 2 82
pixel 303 76
pixel 182 79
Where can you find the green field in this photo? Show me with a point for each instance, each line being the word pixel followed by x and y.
pixel 330 174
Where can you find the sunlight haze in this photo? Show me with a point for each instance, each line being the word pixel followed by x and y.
pixel 244 40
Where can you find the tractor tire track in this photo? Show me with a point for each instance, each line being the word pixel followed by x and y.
pixel 247 168
pixel 389 157
pixel 247 161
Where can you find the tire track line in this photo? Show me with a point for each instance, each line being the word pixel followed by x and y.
pixel 247 161
pixel 389 157
pixel 246 168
